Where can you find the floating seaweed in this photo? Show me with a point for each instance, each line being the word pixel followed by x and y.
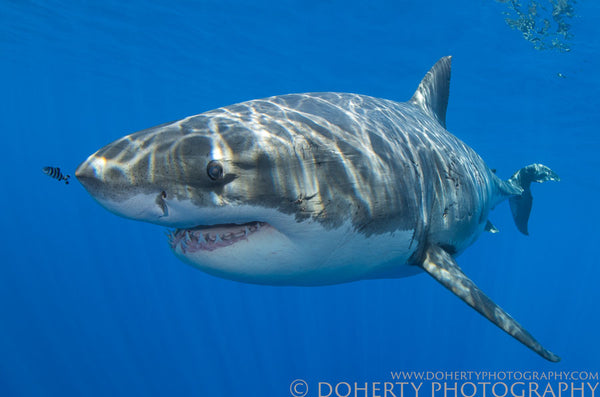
pixel 543 23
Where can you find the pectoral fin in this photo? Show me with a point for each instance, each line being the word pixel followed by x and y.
pixel 441 266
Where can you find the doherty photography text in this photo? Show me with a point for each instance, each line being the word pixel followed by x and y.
pixel 457 384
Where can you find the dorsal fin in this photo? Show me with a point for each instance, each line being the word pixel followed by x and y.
pixel 432 94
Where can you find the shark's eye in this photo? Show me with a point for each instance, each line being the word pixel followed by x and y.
pixel 214 169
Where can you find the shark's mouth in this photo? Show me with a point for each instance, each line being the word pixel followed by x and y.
pixel 210 238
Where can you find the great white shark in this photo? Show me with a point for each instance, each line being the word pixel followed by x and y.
pixel 318 189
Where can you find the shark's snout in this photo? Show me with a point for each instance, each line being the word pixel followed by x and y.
pixel 110 183
pixel 89 174
pixel 85 172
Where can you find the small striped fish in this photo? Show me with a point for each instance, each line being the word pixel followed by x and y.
pixel 54 172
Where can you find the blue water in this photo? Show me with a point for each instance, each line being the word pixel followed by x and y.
pixel 95 305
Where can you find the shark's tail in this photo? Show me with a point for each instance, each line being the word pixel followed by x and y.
pixel 520 204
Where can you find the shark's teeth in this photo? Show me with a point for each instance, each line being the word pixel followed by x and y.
pixel 171 237
pixel 184 246
pixel 210 238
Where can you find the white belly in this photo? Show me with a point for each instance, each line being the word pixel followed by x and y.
pixel 305 253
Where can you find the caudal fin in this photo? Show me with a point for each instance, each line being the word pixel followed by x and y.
pixel 520 205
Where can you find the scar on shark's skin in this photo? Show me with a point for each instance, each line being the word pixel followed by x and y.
pixel 318 189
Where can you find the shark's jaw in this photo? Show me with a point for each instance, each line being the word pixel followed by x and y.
pixel 211 238
pixel 247 252
pixel 229 242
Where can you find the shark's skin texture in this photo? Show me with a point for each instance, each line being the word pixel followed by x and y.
pixel 317 189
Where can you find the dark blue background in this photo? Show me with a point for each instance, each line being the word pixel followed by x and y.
pixel 92 304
